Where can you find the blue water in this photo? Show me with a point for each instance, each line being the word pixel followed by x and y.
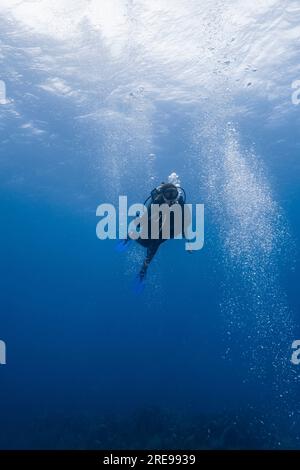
pixel 108 100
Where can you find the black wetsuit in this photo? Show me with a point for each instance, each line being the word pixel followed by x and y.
pixel 152 245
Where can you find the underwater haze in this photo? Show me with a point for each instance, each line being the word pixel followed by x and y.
pixel 107 98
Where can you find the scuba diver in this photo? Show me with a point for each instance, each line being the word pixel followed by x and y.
pixel 166 193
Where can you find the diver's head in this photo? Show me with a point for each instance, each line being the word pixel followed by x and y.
pixel 169 193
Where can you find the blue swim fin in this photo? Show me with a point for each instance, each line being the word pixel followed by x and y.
pixel 122 245
pixel 139 285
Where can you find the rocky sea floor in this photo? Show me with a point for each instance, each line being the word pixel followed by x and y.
pixel 149 428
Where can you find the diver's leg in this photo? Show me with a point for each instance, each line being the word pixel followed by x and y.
pixel 151 250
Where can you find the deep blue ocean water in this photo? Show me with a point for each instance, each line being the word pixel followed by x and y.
pixel 106 100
